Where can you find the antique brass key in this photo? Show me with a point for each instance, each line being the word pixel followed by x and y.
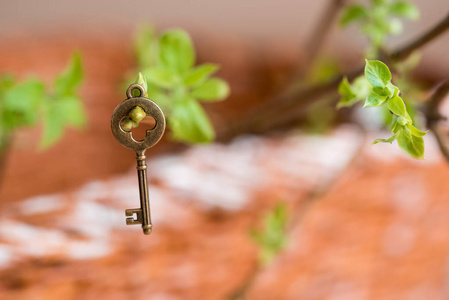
pixel 126 139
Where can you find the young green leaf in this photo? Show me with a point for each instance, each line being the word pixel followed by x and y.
pixel 71 110
pixel 272 238
pixel 404 9
pixel 374 99
pixel 162 78
pixel 213 89
pixel 162 99
pixel 402 121
pixel 137 114
pixel 381 92
pixel 21 103
pixel 396 105
pixel 411 144
pixel 190 123
pixel 395 27
pixel 70 79
pixel 361 87
pixel 392 90
pixel 145 46
pixel 7 81
pixel 127 124
pixel 346 92
pixel 143 82
pixel 377 73
pixel 176 51
pixel 53 129
pixel 60 113
pixel 353 13
pixel 199 75
pixel 415 131
pixel 389 140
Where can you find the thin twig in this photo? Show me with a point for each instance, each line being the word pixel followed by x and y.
pixel 291 103
pixel 318 36
pixel 433 116
pixel 297 215
pixel 4 151
pixel 241 292
pixel 403 52
pixel 314 195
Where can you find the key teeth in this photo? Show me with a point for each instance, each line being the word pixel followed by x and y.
pixel 130 213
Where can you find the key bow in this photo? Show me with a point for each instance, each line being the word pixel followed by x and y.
pixel 151 109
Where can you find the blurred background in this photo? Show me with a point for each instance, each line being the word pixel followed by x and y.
pixel 306 209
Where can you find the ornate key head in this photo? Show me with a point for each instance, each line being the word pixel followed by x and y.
pixel 151 109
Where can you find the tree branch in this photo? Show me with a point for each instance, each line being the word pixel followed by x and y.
pixel 403 52
pixel 433 116
pixel 290 104
pixel 318 36
pixel 4 151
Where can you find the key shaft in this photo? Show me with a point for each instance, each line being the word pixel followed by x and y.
pixel 143 214
pixel 143 189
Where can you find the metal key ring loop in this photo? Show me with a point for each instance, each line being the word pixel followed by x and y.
pixel 132 87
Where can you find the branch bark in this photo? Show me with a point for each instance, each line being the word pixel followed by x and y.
pixel 319 35
pixel 4 151
pixel 428 36
pixel 433 116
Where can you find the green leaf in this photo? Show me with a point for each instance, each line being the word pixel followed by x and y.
pixel 60 113
pixel 21 103
pixel 377 73
pixel 376 34
pixel 353 13
pixel 162 78
pixel 389 140
pixel 53 128
pixel 381 92
pixel 415 131
pixel 7 81
pixel 189 123
pixel 346 92
pixel 374 99
pixel 411 144
pixel 143 82
pixel 161 99
pixel 396 105
pixel 402 121
pixel 72 110
pixel 145 46
pixel 392 90
pixel 344 88
pixel 199 74
pixel 394 121
pixel 361 87
pixel 70 79
pixel 395 27
pixel 272 238
pixel 404 9
pixel 213 89
pixel 176 51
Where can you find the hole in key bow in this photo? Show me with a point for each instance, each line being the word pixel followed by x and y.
pixel 140 132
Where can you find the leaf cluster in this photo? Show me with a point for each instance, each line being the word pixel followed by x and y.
pixel 377 90
pixel 379 19
pixel 272 238
pixel 172 80
pixel 29 102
